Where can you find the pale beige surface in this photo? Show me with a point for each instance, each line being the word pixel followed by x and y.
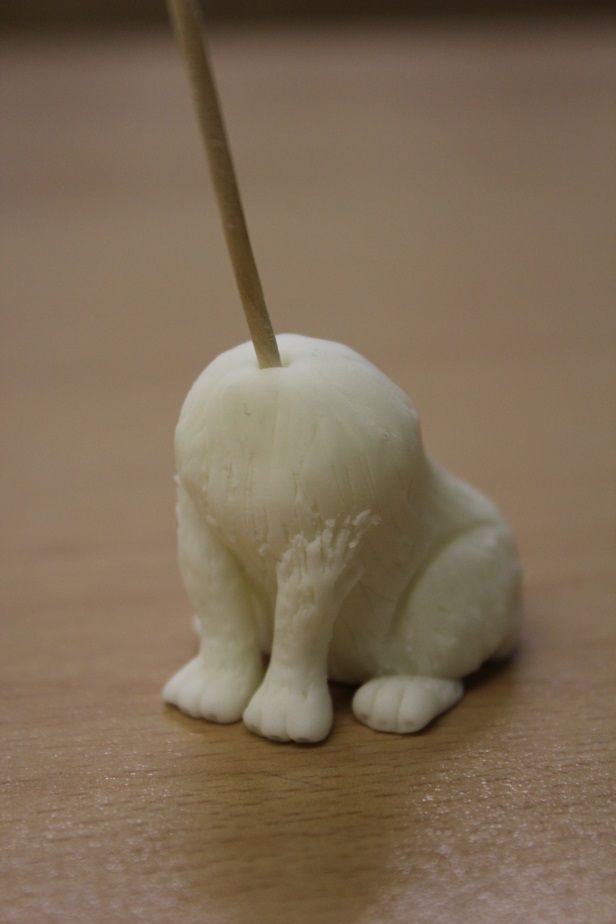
pixel 444 202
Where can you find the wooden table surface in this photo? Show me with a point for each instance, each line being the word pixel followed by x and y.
pixel 441 199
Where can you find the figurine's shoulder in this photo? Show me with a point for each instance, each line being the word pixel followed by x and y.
pixel 319 380
pixel 322 364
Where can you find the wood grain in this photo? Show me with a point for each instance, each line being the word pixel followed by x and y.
pixel 444 202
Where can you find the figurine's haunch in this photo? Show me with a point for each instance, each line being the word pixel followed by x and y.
pixel 313 526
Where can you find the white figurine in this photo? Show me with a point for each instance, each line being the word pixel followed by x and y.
pixel 313 526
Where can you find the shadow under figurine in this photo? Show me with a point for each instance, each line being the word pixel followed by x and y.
pixel 314 527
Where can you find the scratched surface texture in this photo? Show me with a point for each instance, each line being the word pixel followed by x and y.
pixel 441 199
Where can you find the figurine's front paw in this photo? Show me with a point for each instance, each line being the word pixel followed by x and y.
pixel 285 713
pixel 214 693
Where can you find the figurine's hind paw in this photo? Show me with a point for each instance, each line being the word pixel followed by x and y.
pixel 213 693
pixel 288 713
pixel 404 704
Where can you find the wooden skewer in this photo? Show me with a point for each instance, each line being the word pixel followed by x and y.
pixel 188 26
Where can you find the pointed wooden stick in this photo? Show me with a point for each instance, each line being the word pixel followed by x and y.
pixel 187 23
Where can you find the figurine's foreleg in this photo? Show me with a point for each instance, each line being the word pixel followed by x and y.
pixel 314 577
pixel 219 682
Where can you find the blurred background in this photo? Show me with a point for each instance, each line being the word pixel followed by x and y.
pixel 94 13
pixel 432 183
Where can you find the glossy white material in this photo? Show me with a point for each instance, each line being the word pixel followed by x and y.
pixel 313 526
